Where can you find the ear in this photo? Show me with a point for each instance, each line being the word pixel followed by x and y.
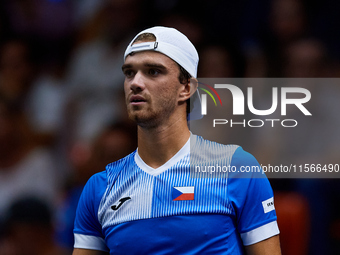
pixel 188 89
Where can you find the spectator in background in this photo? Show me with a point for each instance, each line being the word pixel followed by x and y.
pixel 216 62
pixel 16 69
pixel 84 11
pixel 25 168
pixel 187 23
pixel 287 23
pixel 221 61
pixel 288 20
pixel 307 58
pixel 94 75
pixel 46 102
pixel 29 229
pixel 39 92
pixel 304 58
pixel 114 142
pixel 45 29
pixel 268 31
pixel 47 24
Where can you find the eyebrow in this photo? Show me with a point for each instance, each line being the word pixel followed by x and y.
pixel 152 65
pixel 159 66
pixel 126 66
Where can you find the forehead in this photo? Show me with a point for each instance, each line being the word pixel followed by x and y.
pixel 147 57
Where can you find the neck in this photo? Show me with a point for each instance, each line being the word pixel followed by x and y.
pixel 159 144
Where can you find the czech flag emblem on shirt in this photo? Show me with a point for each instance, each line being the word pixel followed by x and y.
pixel 183 193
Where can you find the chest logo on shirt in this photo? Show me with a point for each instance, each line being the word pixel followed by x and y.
pixel 122 200
pixel 183 193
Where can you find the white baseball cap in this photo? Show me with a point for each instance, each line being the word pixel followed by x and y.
pixel 178 47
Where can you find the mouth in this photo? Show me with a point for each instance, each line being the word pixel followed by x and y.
pixel 137 100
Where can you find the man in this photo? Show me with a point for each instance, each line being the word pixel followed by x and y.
pixel 29 228
pixel 147 203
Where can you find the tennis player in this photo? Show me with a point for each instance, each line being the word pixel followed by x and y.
pixel 148 202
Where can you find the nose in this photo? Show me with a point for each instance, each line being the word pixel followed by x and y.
pixel 137 83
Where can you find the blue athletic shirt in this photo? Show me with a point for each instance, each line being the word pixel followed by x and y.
pixel 132 208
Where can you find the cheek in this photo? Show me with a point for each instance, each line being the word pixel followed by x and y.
pixel 166 96
pixel 163 92
pixel 126 88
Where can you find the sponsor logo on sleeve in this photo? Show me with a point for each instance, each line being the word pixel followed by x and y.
pixel 268 205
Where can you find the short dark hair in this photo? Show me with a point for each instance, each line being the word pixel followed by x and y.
pixel 184 77
pixel 145 37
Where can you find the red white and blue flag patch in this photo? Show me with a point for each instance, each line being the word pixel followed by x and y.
pixel 183 193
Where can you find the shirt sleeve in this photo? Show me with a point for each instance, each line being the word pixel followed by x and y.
pixel 253 200
pixel 87 229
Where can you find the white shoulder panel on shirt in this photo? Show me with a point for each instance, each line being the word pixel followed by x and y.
pixel 89 242
pixel 261 233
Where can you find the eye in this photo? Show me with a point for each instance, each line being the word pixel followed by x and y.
pixel 154 72
pixel 128 73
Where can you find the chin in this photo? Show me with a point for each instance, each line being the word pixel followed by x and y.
pixel 138 116
pixel 144 120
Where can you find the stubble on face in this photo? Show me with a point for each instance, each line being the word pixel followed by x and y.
pixel 160 95
pixel 159 108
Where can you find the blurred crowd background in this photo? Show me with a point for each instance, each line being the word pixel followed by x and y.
pixel 62 109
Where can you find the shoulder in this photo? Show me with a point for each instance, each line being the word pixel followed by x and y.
pixel 121 162
pixel 117 165
pixel 97 178
pixel 113 169
pixel 243 157
pixel 206 150
pixel 99 181
pixel 240 163
pixel 86 215
pixel 95 186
